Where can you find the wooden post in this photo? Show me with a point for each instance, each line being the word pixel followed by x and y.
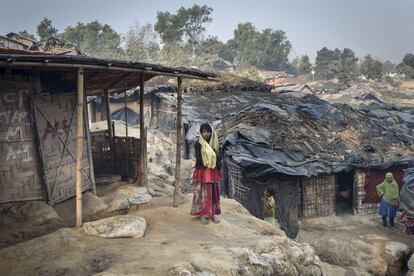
pixel 88 136
pixel 110 127
pixel 143 141
pixel 108 114
pixel 126 134
pixel 179 142
pixel 79 149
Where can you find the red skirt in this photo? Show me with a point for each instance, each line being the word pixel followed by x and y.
pixel 206 196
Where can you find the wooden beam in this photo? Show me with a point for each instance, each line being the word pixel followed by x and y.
pixel 88 137
pixel 126 133
pixel 79 149
pixel 143 141
pixel 179 144
pixel 110 129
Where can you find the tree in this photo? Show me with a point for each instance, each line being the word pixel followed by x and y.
pixel 268 49
pixel 142 43
pixel 389 67
pixel 195 20
pixel 187 25
pixel 348 66
pixel 327 63
pixel 94 39
pixel 300 65
pixel 336 64
pixel 407 66
pixel 169 27
pixel 45 29
pixel 27 34
pixel 371 68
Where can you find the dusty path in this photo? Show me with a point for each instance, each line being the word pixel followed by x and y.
pixel 173 241
pixel 353 241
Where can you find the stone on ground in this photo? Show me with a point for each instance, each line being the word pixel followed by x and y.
pixel 92 204
pixel 37 212
pixel 127 226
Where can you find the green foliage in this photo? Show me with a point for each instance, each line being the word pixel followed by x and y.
pixel 94 39
pixel 173 54
pixel 185 28
pixel 389 67
pixel 27 34
pixel 268 49
pixel 372 69
pixel 336 64
pixel 186 23
pixel 407 66
pixel 141 43
pixel 252 74
pixel 45 29
pixel 300 65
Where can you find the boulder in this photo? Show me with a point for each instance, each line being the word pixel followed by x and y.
pixel 397 249
pixel 135 195
pixel 127 226
pixel 116 203
pixel 410 263
pixel 92 204
pixel 37 212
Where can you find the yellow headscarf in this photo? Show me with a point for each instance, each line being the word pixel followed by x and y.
pixel 208 153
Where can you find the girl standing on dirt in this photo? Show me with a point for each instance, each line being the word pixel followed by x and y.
pixel 206 197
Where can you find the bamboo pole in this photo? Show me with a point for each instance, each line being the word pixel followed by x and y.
pixel 179 144
pixel 79 149
pixel 108 113
pixel 110 127
pixel 142 138
pixel 126 134
pixel 88 137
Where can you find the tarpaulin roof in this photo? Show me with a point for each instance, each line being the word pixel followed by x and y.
pixel 407 192
pixel 301 135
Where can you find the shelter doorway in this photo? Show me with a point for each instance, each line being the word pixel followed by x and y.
pixel 345 193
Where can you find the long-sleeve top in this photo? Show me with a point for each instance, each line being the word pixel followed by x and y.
pixel 270 207
pixel 199 158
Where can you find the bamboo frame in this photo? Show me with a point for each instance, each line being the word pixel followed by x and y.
pixel 88 136
pixel 179 144
pixel 79 148
pixel 143 156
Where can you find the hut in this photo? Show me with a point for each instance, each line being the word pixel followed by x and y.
pixel 46 147
pixel 319 158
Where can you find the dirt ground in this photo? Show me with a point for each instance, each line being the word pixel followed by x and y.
pixel 173 239
pixel 353 241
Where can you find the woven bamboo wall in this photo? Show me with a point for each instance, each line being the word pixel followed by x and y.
pixel 359 193
pixel 237 189
pixel 55 117
pixel 19 167
pixel 318 195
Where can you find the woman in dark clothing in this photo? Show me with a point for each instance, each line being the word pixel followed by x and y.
pixel 206 197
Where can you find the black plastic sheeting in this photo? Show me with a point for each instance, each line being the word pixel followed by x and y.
pixel 258 160
pixel 286 194
pixel 120 115
pixel 407 192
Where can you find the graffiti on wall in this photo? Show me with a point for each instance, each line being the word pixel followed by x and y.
pixel 57 130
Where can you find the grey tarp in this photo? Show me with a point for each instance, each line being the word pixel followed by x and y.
pixel 407 192
pixel 286 194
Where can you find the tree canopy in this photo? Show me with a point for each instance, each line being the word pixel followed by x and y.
pixel 45 29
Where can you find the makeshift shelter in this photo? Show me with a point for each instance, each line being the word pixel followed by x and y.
pixel 42 100
pixel 319 158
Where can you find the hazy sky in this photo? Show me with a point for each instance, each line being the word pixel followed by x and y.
pixel 384 28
